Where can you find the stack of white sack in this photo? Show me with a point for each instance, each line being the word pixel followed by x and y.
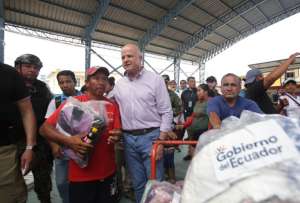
pixel 252 159
pixel 162 192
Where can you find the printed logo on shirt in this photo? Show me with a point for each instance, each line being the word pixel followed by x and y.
pixel 253 147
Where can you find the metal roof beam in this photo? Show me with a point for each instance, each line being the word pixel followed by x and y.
pixel 225 4
pixel 42 17
pixel 262 13
pixel 281 5
pixel 211 42
pixel 159 26
pixel 146 17
pixel 64 7
pixel 79 26
pixel 192 41
pixel 146 62
pixel 166 68
pixel 142 30
pixel 183 17
pixel 105 61
pixel 100 11
pixel 137 28
pixel 213 16
pixel 228 43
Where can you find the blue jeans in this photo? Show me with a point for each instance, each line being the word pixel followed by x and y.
pixel 137 154
pixel 61 178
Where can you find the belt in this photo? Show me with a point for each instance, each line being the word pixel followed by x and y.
pixel 138 132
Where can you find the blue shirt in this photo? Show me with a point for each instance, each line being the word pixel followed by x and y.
pixel 223 110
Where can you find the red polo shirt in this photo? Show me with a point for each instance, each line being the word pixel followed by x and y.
pixel 102 160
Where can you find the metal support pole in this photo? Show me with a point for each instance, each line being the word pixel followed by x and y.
pixel 143 57
pixel 116 69
pixel 146 62
pixel 176 70
pixel 201 72
pixel 105 61
pixel 88 44
pixel 166 68
pixel 1 31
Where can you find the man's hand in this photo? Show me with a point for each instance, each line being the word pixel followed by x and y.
pixel 163 135
pixel 172 135
pixel 179 126
pixel 77 145
pixel 293 57
pixel 56 150
pixel 159 152
pixel 26 160
pixel 284 102
pixel 114 136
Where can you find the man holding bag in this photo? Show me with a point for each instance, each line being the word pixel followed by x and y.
pixel 96 182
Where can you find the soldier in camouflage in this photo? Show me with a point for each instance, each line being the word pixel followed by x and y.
pixel 169 151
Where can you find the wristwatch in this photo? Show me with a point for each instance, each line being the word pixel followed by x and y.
pixel 30 147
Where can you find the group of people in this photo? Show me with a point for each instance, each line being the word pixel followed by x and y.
pixel 142 107
pixel 30 112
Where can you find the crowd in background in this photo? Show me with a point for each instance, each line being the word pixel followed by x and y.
pixel 143 107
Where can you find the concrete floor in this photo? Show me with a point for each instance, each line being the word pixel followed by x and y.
pixel 181 168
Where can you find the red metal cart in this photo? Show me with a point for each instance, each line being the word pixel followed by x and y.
pixel 167 142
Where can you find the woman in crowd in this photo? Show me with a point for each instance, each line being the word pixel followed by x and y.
pixel 197 123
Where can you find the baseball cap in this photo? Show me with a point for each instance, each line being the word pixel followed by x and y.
pixel 251 75
pixel 211 79
pixel 289 80
pixel 166 77
pixel 93 70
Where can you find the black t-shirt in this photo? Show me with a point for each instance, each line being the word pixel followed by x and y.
pixel 12 89
pixel 189 98
pixel 256 92
pixel 40 96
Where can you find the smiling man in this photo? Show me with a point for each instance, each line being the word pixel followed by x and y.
pixel 230 103
pixel 146 115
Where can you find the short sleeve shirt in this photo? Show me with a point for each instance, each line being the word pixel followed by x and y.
pixel 102 161
pixel 52 105
pixel 189 98
pixel 293 108
pixel 256 92
pixel 200 119
pixel 223 110
pixel 12 89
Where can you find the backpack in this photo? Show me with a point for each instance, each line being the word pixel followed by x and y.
pixel 58 101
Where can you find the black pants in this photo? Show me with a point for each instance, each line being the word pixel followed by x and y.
pixel 99 191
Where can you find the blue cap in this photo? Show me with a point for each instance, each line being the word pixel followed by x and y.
pixel 251 75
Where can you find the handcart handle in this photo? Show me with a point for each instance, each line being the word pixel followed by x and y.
pixel 166 142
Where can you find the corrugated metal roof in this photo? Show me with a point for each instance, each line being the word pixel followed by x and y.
pixel 199 30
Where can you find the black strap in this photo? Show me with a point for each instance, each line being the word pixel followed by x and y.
pixel 292 98
pixel 58 101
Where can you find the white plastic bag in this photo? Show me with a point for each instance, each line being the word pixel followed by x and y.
pixel 77 117
pixel 251 159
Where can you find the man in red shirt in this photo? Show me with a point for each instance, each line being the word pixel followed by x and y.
pixel 96 182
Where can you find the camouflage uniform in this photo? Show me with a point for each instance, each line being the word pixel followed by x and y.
pixel 175 103
pixel 169 164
